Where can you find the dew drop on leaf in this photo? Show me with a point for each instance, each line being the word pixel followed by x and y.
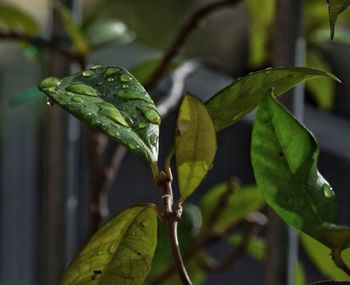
pixel 88 73
pixel 151 115
pixel 327 190
pixel 153 139
pixel 77 100
pixel 110 71
pixel 110 79
pixel 112 113
pixel 125 78
pixel 82 89
pixel 49 82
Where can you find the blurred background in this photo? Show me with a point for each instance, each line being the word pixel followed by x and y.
pixel 59 180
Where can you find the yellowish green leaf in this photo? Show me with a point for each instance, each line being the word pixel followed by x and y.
pixel 120 252
pixel 195 145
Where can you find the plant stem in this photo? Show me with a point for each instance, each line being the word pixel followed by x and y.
pixel 338 260
pixel 171 219
pixel 192 23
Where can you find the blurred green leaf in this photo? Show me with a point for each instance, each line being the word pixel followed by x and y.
pixel 260 24
pixel 120 252
pixel 334 236
pixel 195 145
pixel 257 249
pixel 320 257
pixel 26 96
pixel 103 31
pixel 237 204
pixel 112 100
pixel 284 157
pixel 145 69
pixel 13 19
pixel 335 7
pixel 242 96
pixel 322 89
pixel 73 30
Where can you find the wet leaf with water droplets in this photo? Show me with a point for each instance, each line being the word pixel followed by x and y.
pixel 242 96
pixel 98 97
pixel 284 157
pixel 195 148
pixel 120 252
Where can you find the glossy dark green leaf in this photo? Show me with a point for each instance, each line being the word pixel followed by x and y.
pixel 195 145
pixel 237 204
pixel 26 96
pixel 335 7
pixel 284 157
pixel 103 31
pixel 120 252
pixel 13 19
pixel 145 69
pixel 112 100
pixel 72 29
pixel 321 89
pixel 244 95
pixel 320 257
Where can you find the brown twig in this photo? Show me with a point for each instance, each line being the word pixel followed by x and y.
pixel 338 260
pixel 47 44
pixel 171 219
pixel 192 23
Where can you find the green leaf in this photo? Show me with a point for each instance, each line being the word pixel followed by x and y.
pixel 195 145
pixel 260 24
pixel 322 89
pixel 320 257
pixel 13 19
pixel 112 100
pixel 334 236
pixel 120 252
pixel 145 69
pixel 335 7
pixel 257 249
pixel 26 96
pixel 233 205
pixel 72 29
pixel 244 95
pixel 284 157
pixel 103 31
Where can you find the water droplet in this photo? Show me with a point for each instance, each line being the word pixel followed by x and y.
pixel 83 89
pixel 153 139
pixel 70 93
pixel 125 78
pixel 88 73
pixel 77 100
pixel 96 66
pixel 110 71
pixel 151 115
pixel 49 102
pixel 327 190
pixel 49 82
pixel 132 146
pixel 51 90
pixel 109 111
pixel 125 86
pixel 99 83
pixel 110 79
pixel 95 122
pixel 141 125
pixel 133 95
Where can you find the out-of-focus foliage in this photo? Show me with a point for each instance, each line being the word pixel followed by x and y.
pixel 13 19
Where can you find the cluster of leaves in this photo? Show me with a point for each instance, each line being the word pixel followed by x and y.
pixel 112 100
